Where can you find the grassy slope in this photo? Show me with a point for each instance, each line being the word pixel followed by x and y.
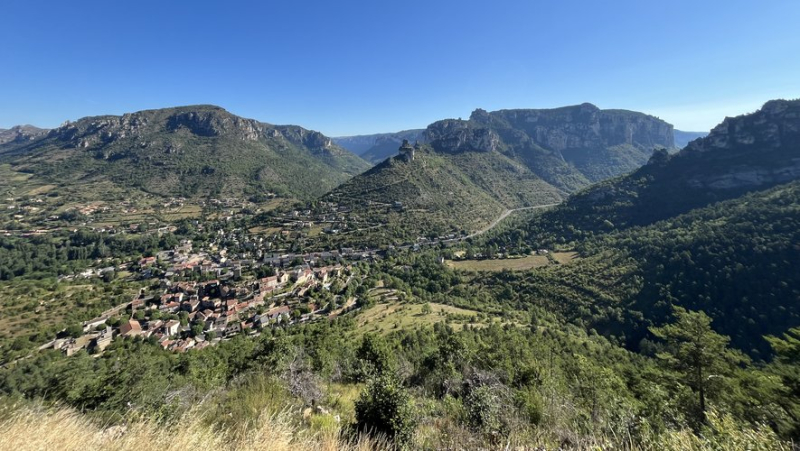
pixel 468 189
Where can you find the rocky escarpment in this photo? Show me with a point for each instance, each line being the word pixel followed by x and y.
pixel 200 121
pixel 569 147
pixel 751 152
pixel 583 127
pixel 775 125
pixel 561 129
pixel 754 150
pixel 21 134
pixel 454 136
pixel 192 150
pixel 313 140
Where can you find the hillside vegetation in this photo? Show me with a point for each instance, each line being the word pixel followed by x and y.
pixel 735 260
pixel 443 193
pixel 186 151
pixel 740 155
pixel 661 237
pixel 470 172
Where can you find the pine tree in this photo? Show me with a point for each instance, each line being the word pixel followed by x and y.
pixel 698 353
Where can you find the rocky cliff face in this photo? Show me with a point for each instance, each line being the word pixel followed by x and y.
pixel 775 125
pixel 313 140
pixel 192 150
pixel 583 126
pixel 21 134
pixel 569 147
pixel 754 150
pixel 200 121
pixel 577 127
pixel 455 136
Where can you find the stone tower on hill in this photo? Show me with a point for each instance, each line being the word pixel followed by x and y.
pixel 407 151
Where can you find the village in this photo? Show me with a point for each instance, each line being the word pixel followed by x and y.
pixel 193 315
pixel 235 280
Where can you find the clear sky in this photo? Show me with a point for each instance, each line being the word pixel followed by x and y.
pixel 351 67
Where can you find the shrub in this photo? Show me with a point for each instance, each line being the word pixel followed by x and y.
pixel 384 407
pixel 483 410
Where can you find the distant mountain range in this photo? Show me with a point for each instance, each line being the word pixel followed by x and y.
pixel 189 151
pixel 684 138
pixel 378 147
pixel 528 156
pixel 470 170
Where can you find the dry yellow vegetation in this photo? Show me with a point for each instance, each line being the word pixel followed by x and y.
pixel 386 317
pixel 36 429
pixel 513 264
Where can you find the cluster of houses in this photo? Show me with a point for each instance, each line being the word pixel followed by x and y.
pixel 193 315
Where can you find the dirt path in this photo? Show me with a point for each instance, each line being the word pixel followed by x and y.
pixel 504 216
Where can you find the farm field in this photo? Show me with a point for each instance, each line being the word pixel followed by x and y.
pixel 513 264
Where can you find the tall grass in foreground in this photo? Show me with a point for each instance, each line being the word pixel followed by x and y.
pixel 29 429
pixel 37 428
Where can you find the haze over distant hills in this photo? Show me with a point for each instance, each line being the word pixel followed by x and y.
pixel 378 147
pixel 684 138
pixel 188 151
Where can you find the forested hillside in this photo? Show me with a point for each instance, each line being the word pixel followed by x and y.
pixel 734 260
pixel 186 151
pixel 740 155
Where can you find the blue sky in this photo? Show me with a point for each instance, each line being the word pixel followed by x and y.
pixel 349 67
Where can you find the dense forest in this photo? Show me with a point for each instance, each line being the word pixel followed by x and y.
pixel 736 260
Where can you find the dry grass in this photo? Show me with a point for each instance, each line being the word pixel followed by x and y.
pixel 514 264
pixel 37 428
pixel 564 257
pixel 34 429
pixel 386 317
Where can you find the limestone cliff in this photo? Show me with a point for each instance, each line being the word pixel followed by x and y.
pixel 747 153
pixel 570 146
pixel 21 134
pixel 753 150
pixel 192 150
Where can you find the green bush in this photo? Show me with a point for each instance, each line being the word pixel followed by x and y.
pixel 483 410
pixel 384 407
pixel 530 404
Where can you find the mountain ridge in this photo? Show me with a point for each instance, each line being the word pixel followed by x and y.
pixel 741 154
pixel 469 171
pixel 20 134
pixel 188 150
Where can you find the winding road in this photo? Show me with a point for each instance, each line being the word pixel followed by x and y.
pixel 504 216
